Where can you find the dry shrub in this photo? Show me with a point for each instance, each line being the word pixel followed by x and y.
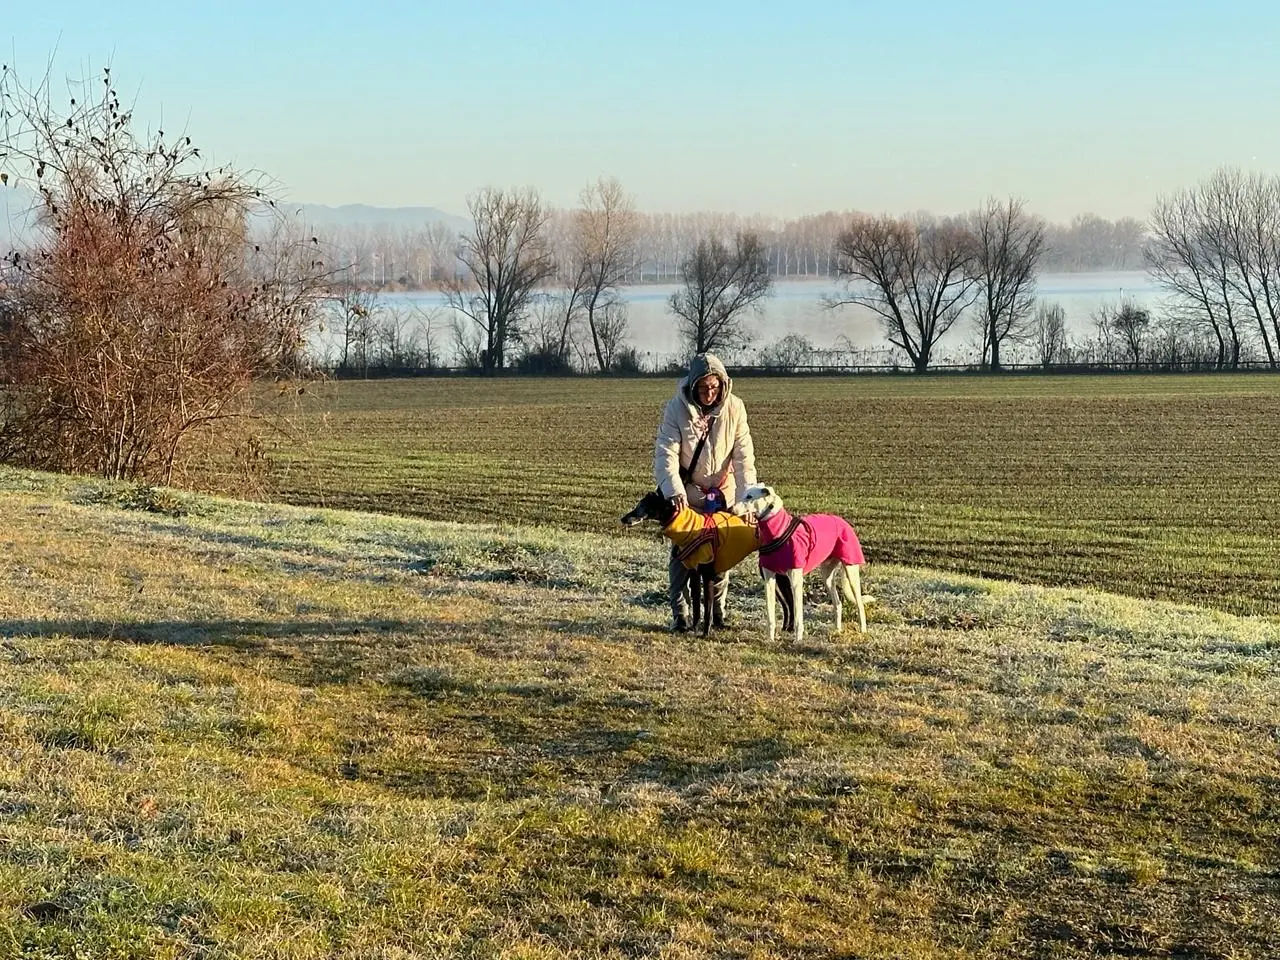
pixel 136 321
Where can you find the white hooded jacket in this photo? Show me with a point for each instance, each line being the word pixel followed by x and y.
pixel 727 460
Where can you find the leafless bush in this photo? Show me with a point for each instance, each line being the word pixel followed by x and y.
pixel 1123 332
pixel 551 334
pixel 788 353
pixel 1049 334
pixel 137 320
pixel 401 340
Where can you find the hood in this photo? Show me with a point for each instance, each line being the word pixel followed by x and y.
pixel 699 367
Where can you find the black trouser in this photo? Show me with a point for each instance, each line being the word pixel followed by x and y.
pixel 678 591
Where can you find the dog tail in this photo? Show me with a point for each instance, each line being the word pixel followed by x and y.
pixel 850 595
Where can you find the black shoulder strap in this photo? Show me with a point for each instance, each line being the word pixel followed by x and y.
pixel 686 473
pixel 782 540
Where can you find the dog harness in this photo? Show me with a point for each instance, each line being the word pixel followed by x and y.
pixel 791 543
pixel 703 538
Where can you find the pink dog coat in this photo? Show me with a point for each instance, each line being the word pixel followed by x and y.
pixel 816 538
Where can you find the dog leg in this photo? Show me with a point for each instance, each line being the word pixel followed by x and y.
pixel 771 604
pixel 695 598
pixel 708 598
pixel 796 578
pixel 853 583
pixel 835 580
pixel 783 586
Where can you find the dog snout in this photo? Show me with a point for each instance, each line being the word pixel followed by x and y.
pixel 634 517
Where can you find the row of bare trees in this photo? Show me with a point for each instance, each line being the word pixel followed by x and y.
pixel 425 256
pixel 919 275
pixel 367 334
pixel 1126 335
pixel 513 290
pixel 1122 335
pixel 1216 248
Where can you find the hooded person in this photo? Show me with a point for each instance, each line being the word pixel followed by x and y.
pixel 703 457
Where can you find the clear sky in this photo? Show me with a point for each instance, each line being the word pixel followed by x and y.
pixel 773 107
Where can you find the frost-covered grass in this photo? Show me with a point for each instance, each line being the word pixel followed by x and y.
pixel 246 730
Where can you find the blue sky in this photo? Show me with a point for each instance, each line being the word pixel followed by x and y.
pixel 779 108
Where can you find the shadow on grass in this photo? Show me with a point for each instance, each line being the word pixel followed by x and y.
pixel 306 652
pixel 232 633
pixel 510 736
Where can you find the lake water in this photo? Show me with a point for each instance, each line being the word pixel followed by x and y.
pixel 796 306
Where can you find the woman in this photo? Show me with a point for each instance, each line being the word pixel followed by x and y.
pixel 702 458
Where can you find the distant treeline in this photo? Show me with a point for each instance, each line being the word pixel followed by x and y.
pixel 416 258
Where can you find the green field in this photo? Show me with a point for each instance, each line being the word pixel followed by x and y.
pixel 1153 486
pixel 234 729
pixel 260 731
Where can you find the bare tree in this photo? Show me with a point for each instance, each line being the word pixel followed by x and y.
pixel 1133 324
pixel 503 260
pixel 560 315
pixel 917 275
pixel 1184 256
pixel 604 254
pixel 145 307
pixel 1216 249
pixel 429 319
pixel 718 286
pixel 1010 243
pixel 356 318
pixel 1244 212
pixel 610 333
pixel 1049 333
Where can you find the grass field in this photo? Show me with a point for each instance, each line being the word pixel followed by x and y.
pixel 1152 486
pixel 265 731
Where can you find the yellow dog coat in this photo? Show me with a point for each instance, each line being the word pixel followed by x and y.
pixel 702 538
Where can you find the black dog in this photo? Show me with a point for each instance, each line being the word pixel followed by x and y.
pixel 720 540
pixel 702 578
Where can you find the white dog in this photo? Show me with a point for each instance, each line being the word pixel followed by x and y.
pixel 792 546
